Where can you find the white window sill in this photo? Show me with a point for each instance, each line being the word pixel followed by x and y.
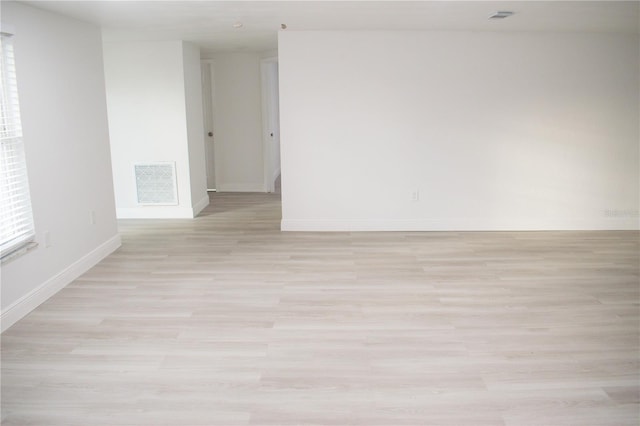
pixel 20 251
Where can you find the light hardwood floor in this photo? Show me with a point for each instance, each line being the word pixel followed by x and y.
pixel 224 320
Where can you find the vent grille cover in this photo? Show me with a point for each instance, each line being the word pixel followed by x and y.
pixel 501 14
pixel 156 184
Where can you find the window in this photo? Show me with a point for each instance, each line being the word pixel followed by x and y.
pixel 16 219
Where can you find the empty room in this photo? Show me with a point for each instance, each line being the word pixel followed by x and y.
pixel 320 213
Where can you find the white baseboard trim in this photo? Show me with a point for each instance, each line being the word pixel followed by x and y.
pixel 480 225
pixel 276 173
pixel 27 303
pixel 200 205
pixel 241 187
pixel 155 212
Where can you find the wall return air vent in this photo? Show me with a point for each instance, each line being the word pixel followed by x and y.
pixel 156 184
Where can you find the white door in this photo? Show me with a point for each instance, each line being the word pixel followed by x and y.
pixel 209 135
pixel 271 122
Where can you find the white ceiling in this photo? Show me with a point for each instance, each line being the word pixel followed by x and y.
pixel 209 23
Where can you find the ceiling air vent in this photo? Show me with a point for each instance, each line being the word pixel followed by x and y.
pixel 501 14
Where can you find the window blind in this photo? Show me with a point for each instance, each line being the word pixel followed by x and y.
pixel 16 219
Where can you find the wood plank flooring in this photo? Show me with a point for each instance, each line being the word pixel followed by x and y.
pixel 224 320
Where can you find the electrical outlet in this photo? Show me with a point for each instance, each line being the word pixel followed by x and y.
pixel 92 217
pixel 415 195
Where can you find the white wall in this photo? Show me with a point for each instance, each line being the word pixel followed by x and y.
pixel 147 104
pixel 195 126
pixel 64 119
pixel 497 131
pixel 238 122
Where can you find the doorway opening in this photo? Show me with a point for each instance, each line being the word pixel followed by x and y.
pixel 271 124
pixel 223 158
pixel 209 134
